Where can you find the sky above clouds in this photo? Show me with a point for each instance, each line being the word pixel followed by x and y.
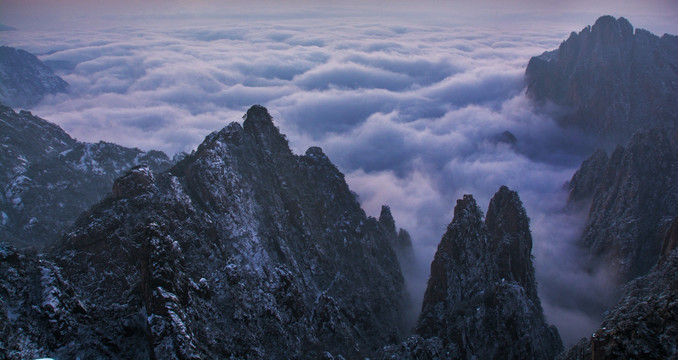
pixel 412 102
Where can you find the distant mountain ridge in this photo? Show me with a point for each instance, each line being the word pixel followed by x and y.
pixel 610 80
pixel 4 27
pixel 25 80
pixel 48 178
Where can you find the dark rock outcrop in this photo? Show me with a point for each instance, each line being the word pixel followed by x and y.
pixel 48 178
pixel 39 309
pixel 670 241
pixel 611 80
pixel 634 196
pixel 481 300
pixel 241 250
pixel 24 79
pixel 588 177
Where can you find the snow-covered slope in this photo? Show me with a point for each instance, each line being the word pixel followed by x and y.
pixel 48 178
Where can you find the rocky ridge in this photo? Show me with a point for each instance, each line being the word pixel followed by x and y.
pixel 481 300
pixel 241 250
pixel 633 197
pixel 25 80
pixel 48 178
pixel 610 79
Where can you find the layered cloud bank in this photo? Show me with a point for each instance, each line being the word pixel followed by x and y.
pixel 415 113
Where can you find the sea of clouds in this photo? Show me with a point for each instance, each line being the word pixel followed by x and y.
pixel 414 112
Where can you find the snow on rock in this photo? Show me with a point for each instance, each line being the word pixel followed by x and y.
pixel 48 178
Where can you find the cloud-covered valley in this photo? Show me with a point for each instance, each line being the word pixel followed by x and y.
pixel 415 114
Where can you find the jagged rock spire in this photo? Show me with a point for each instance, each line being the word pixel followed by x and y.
pixel 508 228
pixel 481 299
pixel 386 219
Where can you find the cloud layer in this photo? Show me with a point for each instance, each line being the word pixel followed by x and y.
pixel 415 113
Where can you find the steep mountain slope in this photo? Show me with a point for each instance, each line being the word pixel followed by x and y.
pixel 633 197
pixel 24 79
pixel 644 324
pixel 241 250
pixel 611 80
pixel 48 178
pixel 481 300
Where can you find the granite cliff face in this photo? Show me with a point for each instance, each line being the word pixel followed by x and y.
pixel 633 198
pixel 644 324
pixel 24 79
pixel 481 300
pixel 49 178
pixel 611 80
pixel 241 250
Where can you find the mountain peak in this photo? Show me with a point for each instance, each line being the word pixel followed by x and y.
pixel 386 219
pixel 508 228
pixel 506 213
pixel 467 211
pixel 259 123
pixel 670 240
pixel 609 80
pixel 481 274
pixel 607 24
pixel 257 117
pixel 633 197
